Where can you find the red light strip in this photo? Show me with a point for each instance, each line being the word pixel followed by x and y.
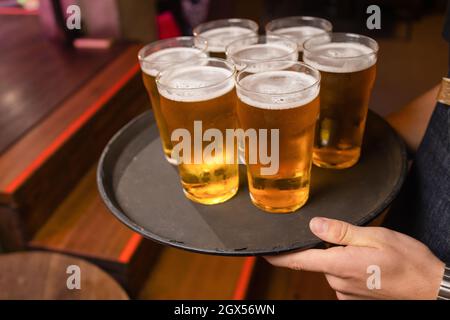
pixel 70 130
pixel 130 248
pixel 244 279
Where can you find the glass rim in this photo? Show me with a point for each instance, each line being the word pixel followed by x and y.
pixel 253 25
pixel 190 63
pixel 343 34
pixel 142 56
pixel 294 50
pixel 298 63
pixel 293 18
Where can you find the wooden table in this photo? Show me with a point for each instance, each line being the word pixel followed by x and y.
pixel 37 75
pixel 43 275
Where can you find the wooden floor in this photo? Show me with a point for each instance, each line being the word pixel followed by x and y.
pixel 179 274
pixel 82 225
pixel 269 282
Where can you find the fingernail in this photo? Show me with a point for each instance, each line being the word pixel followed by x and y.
pixel 319 225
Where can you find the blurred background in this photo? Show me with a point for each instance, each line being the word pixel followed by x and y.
pixel 64 93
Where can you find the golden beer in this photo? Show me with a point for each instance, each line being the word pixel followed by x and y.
pixel 202 91
pixel 157 56
pixel 347 63
pixel 283 96
pixel 220 33
pixel 298 28
pixel 251 51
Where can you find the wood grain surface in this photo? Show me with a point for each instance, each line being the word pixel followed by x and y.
pixel 41 275
pixel 19 157
pixel 38 171
pixel 269 282
pixel 36 75
pixel 179 274
pixel 82 226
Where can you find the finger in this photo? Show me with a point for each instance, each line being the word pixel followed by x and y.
pixel 343 233
pixel 315 260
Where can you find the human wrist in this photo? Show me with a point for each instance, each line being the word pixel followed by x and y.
pixel 434 275
pixel 444 286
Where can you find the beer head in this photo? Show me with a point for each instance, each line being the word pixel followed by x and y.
pixel 278 85
pixel 197 80
pixel 219 33
pixel 340 52
pixel 298 28
pixel 250 51
pixel 160 54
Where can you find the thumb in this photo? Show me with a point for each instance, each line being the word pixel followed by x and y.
pixel 343 233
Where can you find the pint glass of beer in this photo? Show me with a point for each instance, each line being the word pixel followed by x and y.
pixel 159 55
pixel 298 28
pixel 251 51
pixel 220 33
pixel 198 102
pixel 347 63
pixel 281 99
pixel 255 49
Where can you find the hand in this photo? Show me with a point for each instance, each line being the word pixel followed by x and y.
pixel 409 270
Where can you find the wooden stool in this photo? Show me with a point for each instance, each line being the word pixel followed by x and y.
pixel 43 275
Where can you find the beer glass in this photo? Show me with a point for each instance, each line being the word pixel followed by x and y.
pixel 347 63
pixel 283 97
pixel 298 28
pixel 219 33
pixel 198 102
pixel 254 49
pixel 159 55
pixel 251 51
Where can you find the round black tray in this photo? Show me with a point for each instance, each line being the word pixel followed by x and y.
pixel 144 192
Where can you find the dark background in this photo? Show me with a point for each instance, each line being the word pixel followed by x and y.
pixel 413 55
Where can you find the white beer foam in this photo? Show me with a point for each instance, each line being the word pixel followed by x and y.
pixel 219 38
pixel 262 52
pixel 277 90
pixel 206 82
pixel 299 33
pixel 340 57
pixel 153 63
